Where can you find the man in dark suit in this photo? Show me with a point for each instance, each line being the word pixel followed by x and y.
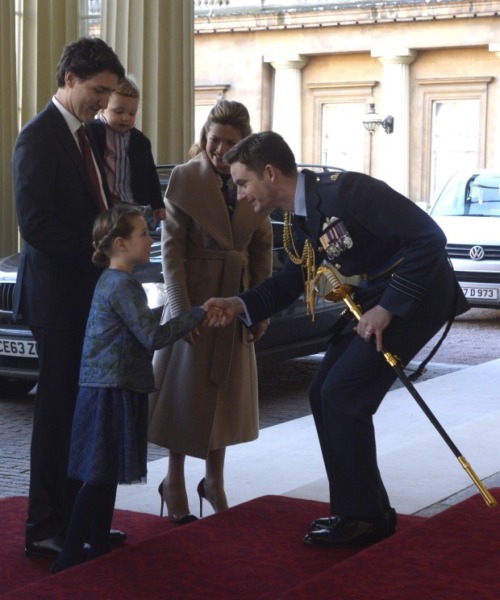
pixel 56 203
pixel 407 291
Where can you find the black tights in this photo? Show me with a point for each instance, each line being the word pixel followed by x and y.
pixel 90 522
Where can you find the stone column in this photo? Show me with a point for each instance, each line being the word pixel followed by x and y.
pixel 155 42
pixel 395 147
pixel 287 99
pixel 8 127
pixel 496 49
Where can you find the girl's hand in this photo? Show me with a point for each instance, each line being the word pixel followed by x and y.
pixel 190 338
pixel 160 214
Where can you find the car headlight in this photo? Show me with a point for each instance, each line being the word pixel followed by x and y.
pixel 156 293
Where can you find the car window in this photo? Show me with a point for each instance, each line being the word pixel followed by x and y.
pixel 483 197
pixel 465 195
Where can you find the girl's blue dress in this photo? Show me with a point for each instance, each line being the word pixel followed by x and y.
pixel 109 439
pixel 109 435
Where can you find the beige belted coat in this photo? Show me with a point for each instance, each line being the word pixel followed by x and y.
pixel 207 394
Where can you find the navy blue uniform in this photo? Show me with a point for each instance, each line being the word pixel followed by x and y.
pixel 401 253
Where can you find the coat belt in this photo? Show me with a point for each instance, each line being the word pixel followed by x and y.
pixel 234 263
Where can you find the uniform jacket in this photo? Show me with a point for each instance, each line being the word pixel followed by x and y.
pixel 207 394
pixel 143 176
pixel 386 229
pixel 56 207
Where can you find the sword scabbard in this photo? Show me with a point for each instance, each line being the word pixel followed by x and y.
pixel 485 493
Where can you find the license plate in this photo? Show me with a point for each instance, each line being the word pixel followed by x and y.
pixel 18 348
pixel 486 293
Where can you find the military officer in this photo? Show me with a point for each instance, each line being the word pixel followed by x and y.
pixel 407 291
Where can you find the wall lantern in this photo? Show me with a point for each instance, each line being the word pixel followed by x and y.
pixel 372 120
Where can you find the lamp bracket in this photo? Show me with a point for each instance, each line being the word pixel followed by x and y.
pixel 388 124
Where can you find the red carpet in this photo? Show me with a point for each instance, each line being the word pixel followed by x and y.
pixel 255 551
pixel 17 570
pixel 452 556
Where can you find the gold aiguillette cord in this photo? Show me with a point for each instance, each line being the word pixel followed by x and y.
pixel 307 260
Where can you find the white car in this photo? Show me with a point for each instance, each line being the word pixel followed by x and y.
pixel 468 211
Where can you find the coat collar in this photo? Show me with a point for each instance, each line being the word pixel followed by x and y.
pixel 315 217
pixel 194 187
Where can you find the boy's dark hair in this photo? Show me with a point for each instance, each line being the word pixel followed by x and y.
pixel 261 149
pixel 87 57
pixel 110 224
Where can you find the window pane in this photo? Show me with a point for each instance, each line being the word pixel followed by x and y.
pixel 342 138
pixel 90 18
pixel 455 139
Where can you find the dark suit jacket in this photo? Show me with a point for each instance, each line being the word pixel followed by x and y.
pixel 56 207
pixel 143 176
pixel 383 225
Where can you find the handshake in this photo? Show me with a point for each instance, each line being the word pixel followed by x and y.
pixel 223 311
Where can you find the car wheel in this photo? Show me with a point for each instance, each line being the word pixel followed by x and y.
pixel 10 389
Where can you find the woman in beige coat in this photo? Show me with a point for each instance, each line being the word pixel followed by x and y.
pixel 206 395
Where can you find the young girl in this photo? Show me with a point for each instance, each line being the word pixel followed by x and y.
pixel 109 436
pixel 126 151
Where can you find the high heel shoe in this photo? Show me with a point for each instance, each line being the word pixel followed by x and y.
pixel 160 491
pixel 217 506
pixel 202 494
pixel 189 518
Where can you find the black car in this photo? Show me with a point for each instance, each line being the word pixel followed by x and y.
pixel 291 333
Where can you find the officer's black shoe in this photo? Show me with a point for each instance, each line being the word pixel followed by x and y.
pixel 322 523
pixel 327 522
pixel 346 531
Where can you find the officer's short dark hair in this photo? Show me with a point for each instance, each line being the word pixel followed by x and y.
pixel 87 57
pixel 260 149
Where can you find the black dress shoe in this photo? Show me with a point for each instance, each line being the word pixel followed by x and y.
pixel 47 548
pixel 346 531
pixel 327 522
pixel 116 536
pixel 322 523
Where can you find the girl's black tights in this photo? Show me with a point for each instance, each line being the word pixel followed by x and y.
pixel 89 523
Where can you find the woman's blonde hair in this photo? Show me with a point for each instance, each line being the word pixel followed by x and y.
pixel 225 112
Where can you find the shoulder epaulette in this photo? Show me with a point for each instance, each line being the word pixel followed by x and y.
pixel 328 177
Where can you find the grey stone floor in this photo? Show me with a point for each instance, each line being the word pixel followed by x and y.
pixel 473 339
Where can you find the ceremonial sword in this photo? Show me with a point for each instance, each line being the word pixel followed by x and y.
pixel 342 292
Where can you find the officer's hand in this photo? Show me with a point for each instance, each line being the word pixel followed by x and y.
pixel 222 311
pixel 373 323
